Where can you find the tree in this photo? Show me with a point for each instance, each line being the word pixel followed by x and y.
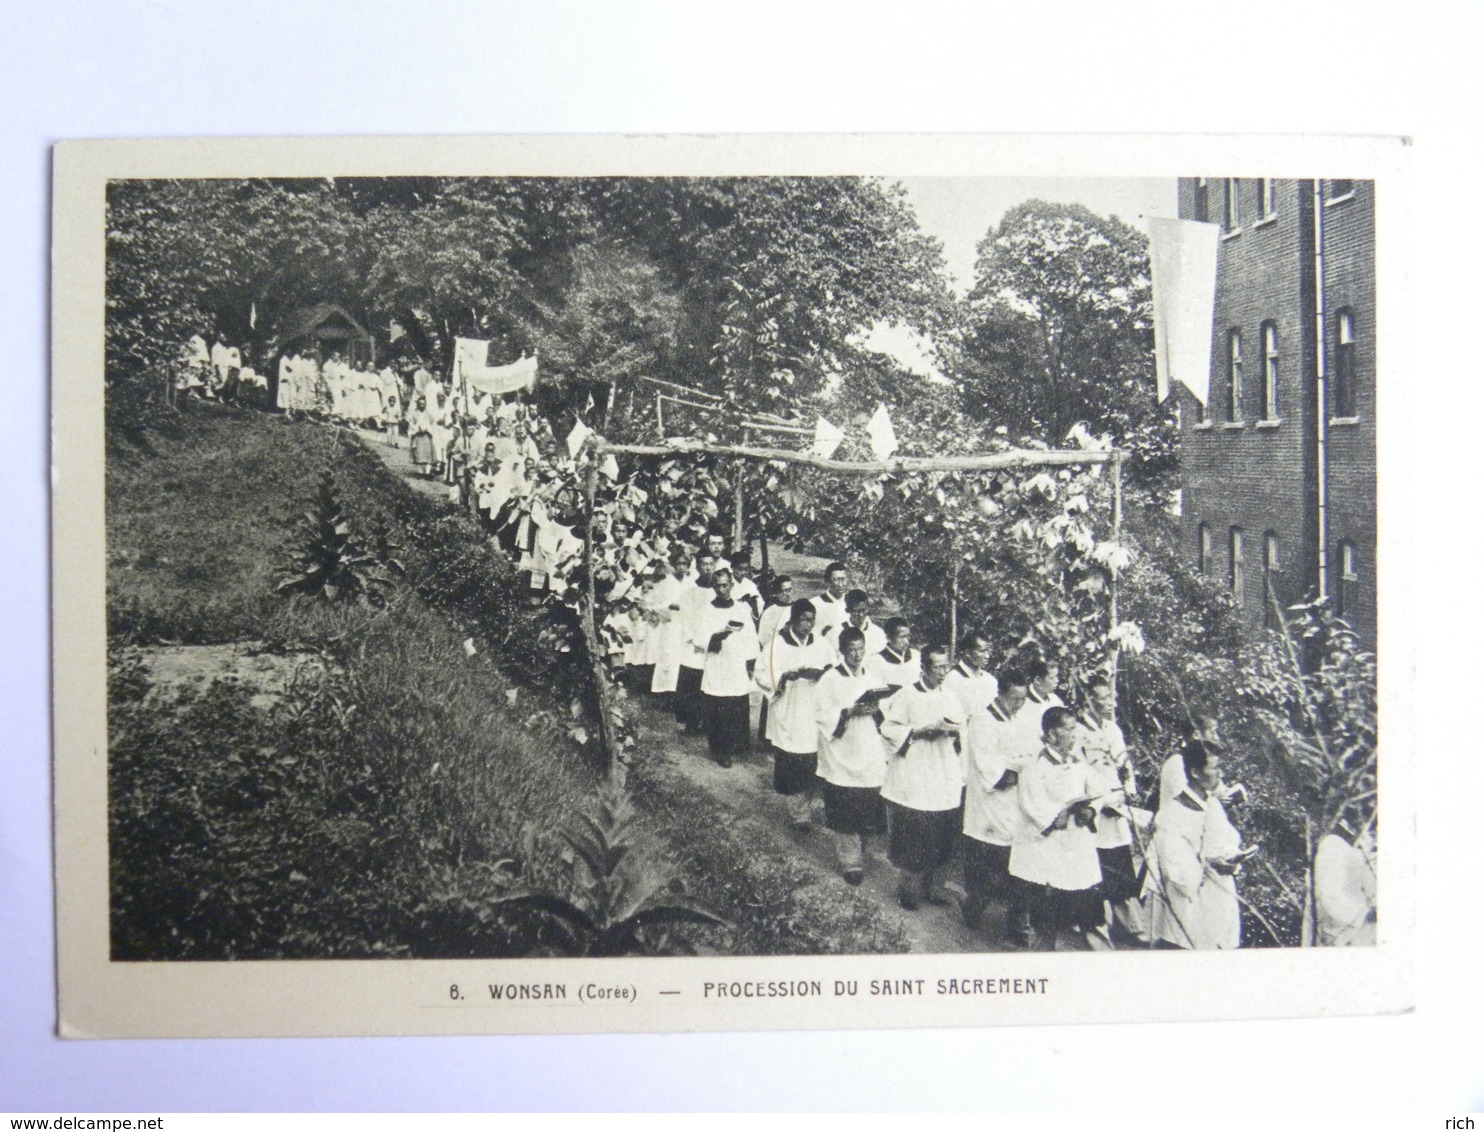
pixel 778 274
pixel 1058 327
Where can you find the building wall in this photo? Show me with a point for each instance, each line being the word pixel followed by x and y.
pixel 1255 474
pixel 1259 475
pixel 1350 282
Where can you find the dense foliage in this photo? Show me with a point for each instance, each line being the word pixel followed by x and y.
pixel 752 287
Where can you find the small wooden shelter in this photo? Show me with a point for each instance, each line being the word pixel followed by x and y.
pixel 327 329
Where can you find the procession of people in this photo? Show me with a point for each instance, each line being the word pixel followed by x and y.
pixel 983 788
pixel 957 773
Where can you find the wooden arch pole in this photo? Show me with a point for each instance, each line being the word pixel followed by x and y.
pixel 608 729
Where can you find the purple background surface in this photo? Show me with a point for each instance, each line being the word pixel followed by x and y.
pixel 131 68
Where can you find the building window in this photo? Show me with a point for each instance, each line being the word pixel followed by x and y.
pixel 1270 371
pixel 1271 614
pixel 1202 210
pixel 1203 548
pixel 1234 577
pixel 1343 394
pixel 1233 375
pixel 1348 588
pixel 1232 217
pixel 1267 198
pixel 1339 189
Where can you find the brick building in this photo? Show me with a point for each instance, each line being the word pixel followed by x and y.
pixel 1279 468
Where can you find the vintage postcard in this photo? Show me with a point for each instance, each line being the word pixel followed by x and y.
pixel 697 583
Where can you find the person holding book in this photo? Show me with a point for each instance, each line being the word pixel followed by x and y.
pixel 790 670
pixel 696 596
pixel 1056 856
pixel 723 631
pixel 852 761
pixel 775 616
pixel 922 726
pixel 1106 754
pixel 1191 888
pixel 993 821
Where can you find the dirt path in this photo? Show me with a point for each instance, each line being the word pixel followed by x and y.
pixel 746 789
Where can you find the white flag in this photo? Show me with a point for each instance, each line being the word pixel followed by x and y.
pixel 577 438
pixel 609 466
pixel 826 438
pixel 1182 271
pixel 883 436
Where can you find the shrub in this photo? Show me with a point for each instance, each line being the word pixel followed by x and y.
pixel 330 562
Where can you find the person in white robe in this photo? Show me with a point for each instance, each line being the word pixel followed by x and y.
pixel 858 614
pixel 287 398
pixel 1191 887
pixel 898 664
pixel 224 359
pixel 485 483
pixel 922 726
pixel 829 606
pixel 774 617
pixel 997 753
pixel 194 368
pixel 1111 771
pixel 1056 856
pixel 1345 889
pixel 724 631
pixel 975 687
pixel 666 642
pixel 1172 771
pixel 689 714
pixel 1040 695
pixel 441 416
pixel 779 609
pixel 788 675
pixel 852 758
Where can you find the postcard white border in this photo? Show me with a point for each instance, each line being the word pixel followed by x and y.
pixel 291 998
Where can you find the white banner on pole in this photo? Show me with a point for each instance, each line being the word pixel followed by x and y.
pixel 469 367
pixel 1182 269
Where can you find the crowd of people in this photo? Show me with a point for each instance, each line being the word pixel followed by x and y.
pixel 1036 804
pixel 946 760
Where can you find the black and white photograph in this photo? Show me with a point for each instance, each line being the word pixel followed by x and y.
pixel 942 585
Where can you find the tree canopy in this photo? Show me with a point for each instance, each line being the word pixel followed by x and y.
pixel 749 287
pixel 1058 327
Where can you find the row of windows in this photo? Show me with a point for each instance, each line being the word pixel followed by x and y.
pixel 1264 198
pixel 1342 382
pixel 1346 590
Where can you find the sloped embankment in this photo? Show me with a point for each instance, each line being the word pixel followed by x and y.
pixel 381 808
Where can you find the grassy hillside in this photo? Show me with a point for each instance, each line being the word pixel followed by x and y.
pixel 401 787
